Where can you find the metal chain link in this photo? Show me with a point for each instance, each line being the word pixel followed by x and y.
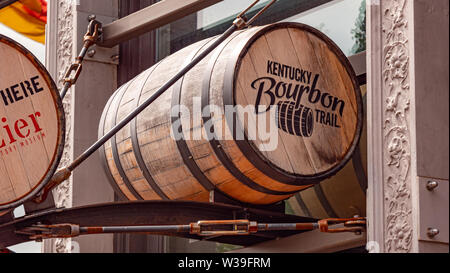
pixel 94 31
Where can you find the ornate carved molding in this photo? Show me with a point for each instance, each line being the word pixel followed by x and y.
pixel 64 59
pixel 396 128
pixel 59 56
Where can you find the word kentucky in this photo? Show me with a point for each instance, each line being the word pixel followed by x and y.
pixel 289 72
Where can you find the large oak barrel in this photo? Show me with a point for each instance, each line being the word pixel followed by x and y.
pixel 31 125
pixel 272 111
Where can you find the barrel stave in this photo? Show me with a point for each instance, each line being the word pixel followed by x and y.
pixel 162 156
pixel 109 122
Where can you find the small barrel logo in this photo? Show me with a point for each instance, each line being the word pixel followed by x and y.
pixel 297 122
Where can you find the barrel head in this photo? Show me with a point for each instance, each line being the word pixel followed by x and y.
pixel 298 102
pixel 31 124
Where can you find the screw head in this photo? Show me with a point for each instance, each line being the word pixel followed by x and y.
pixel 432 232
pixel 431 185
pixel 91 53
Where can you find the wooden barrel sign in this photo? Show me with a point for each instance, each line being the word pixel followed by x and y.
pixel 272 111
pixel 31 125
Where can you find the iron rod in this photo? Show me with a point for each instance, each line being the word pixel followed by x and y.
pixel 187 228
pixel 287 226
pixel 206 228
pixel 65 89
pixel 135 229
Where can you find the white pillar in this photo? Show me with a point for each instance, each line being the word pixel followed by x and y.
pixel 396 197
pixel 59 54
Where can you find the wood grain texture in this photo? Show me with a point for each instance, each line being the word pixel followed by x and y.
pixel 31 134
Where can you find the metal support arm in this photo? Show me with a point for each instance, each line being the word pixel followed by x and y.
pixel 150 18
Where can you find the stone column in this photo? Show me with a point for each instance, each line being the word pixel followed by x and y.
pixel 59 55
pixel 405 118
pixel 83 104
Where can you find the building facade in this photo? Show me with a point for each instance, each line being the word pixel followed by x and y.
pixel 399 51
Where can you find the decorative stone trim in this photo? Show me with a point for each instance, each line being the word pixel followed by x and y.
pixel 59 56
pixel 396 127
pixel 390 176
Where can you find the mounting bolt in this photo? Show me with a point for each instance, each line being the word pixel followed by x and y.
pixel 91 53
pixel 432 232
pixel 431 185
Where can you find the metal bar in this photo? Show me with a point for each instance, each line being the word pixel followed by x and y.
pixel 135 229
pixel 238 227
pixel 288 226
pixel 150 18
pixel 242 227
pixel 64 90
pixel 140 213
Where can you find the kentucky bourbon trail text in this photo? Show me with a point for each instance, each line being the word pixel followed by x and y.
pixel 328 107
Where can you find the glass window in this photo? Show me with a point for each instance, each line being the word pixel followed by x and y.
pixel 342 20
pixel 223 12
pixel 339 20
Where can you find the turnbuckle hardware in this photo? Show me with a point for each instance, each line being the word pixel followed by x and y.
pixel 236 227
